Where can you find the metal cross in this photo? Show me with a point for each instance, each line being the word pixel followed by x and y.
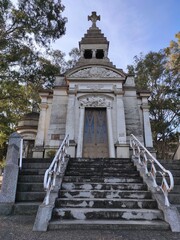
pixel 94 18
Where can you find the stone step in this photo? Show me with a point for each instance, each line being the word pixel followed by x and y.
pixel 108 225
pixel 37 160
pixel 174 198
pixel 98 160
pixel 30 187
pixel 100 166
pixel 176 180
pixel 31 178
pixel 106 203
pixel 171 166
pixel 108 194
pixel 175 173
pixel 101 179
pixel 176 189
pixel 26 208
pixel 42 165
pixel 97 168
pixel 32 171
pixel 108 213
pixel 103 186
pixel 30 196
pixel 104 174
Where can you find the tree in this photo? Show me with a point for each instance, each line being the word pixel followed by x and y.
pixel 26 33
pixel 152 72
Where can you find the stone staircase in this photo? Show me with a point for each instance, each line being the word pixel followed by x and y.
pixel 105 193
pixel 30 192
pixel 174 167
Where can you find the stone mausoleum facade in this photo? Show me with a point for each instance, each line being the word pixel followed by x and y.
pixel 95 103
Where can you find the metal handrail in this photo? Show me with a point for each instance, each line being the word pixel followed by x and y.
pixel 21 153
pixel 56 168
pixel 145 157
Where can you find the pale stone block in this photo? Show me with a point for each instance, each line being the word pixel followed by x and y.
pixel 122 150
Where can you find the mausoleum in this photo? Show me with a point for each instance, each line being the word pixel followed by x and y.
pixel 95 103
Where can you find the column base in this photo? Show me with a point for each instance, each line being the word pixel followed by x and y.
pixel 72 148
pixel 122 150
pixel 38 152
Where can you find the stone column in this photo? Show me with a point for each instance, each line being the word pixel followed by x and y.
pixel 10 177
pixel 121 125
pixel 94 53
pixel 147 126
pixel 81 131
pixel 110 133
pixel 39 142
pixel 122 148
pixel 70 124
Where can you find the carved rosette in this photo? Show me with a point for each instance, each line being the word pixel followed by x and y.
pixel 95 72
pixel 95 101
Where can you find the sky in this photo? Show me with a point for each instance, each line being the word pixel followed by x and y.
pixel 131 26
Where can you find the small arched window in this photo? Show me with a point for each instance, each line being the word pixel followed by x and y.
pixel 99 54
pixel 88 54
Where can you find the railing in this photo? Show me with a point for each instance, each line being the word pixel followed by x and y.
pixel 145 158
pixel 21 153
pixel 56 168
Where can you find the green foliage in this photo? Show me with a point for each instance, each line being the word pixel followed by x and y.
pixel 154 72
pixel 26 33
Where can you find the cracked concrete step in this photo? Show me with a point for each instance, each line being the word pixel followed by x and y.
pixel 106 203
pixel 101 179
pixel 104 194
pixel 108 213
pixel 108 225
pixel 30 187
pixel 30 196
pixel 103 186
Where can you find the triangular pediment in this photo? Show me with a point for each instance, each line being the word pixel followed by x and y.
pixel 96 72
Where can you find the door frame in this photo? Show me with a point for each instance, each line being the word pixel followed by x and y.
pixel 95 144
pixel 95 101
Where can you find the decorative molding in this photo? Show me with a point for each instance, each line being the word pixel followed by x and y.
pixel 95 72
pixel 95 101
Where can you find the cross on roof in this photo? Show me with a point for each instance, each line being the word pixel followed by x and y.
pixel 94 18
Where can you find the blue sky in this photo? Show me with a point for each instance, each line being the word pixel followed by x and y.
pixel 131 26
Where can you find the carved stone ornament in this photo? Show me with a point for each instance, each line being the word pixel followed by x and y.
pixel 95 72
pixel 94 101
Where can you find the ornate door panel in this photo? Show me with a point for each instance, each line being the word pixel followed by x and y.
pixel 95 142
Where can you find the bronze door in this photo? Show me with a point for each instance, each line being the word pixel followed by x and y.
pixel 95 143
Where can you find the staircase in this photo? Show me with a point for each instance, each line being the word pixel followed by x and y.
pixel 174 167
pixel 30 193
pixel 105 193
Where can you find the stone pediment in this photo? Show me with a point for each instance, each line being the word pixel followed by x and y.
pixel 95 72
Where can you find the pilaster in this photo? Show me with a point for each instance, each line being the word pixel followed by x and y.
pixel 80 134
pixel 39 142
pixel 110 133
